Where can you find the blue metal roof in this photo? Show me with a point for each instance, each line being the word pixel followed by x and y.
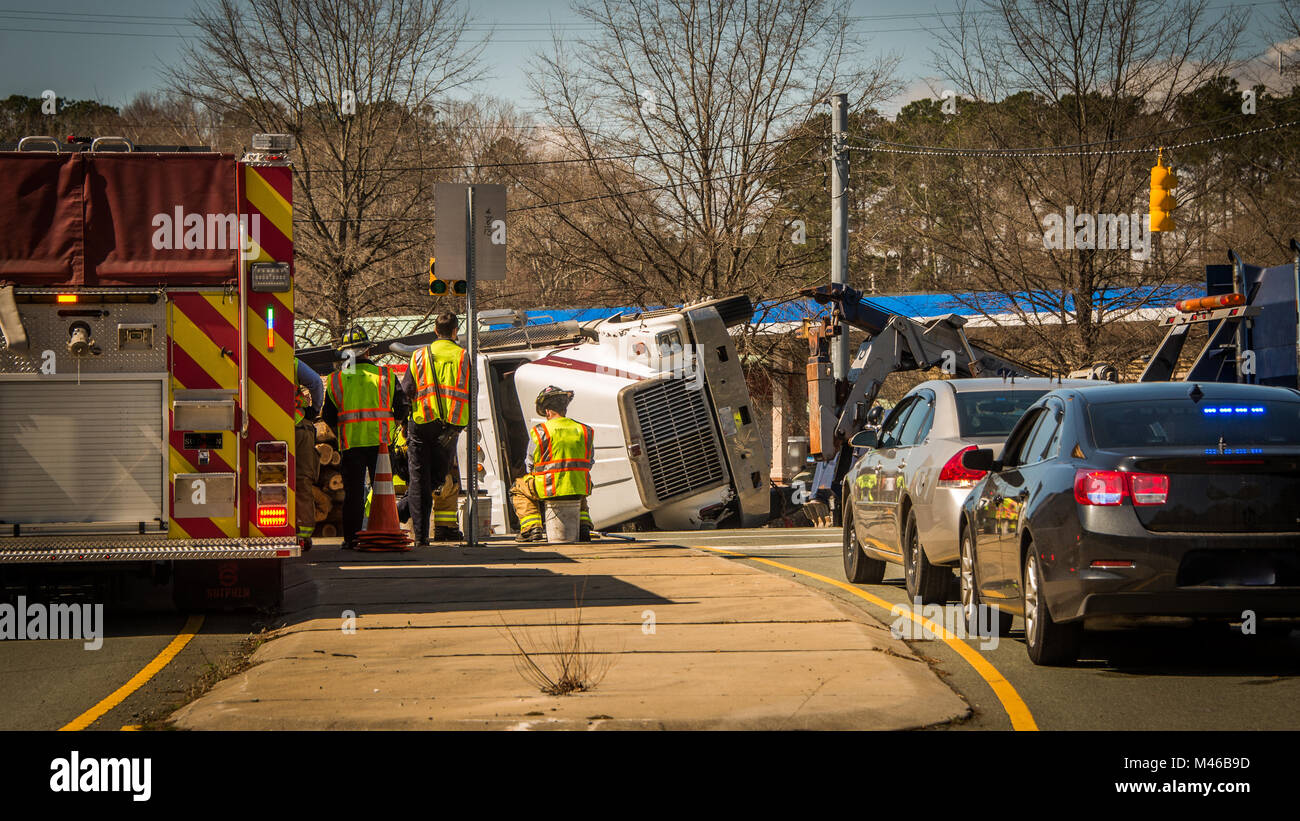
pixel 926 305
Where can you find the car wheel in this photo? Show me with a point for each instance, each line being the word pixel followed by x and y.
pixel 968 584
pixel 928 582
pixel 1049 642
pixel 859 568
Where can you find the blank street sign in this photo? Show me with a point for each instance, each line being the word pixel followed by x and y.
pixel 490 228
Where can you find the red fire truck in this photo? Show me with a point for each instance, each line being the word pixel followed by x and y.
pixel 147 364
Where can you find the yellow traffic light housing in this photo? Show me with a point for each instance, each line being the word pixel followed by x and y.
pixel 437 287
pixel 1162 201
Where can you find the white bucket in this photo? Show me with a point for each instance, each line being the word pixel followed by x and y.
pixel 484 515
pixel 562 520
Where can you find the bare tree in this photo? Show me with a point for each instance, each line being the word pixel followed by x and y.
pixel 359 84
pixel 1102 79
pixel 695 99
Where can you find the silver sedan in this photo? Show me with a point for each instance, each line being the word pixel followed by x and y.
pixel 903 495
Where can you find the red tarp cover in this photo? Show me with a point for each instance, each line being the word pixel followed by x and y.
pixel 117 219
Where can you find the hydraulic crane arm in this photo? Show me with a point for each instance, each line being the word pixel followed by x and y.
pixel 896 343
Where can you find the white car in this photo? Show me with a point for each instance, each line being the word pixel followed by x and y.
pixel 903 495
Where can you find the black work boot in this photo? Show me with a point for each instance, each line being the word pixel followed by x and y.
pixel 584 532
pixel 447 534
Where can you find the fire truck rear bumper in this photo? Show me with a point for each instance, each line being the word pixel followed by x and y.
pixel 64 549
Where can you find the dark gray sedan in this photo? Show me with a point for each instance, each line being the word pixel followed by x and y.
pixel 1137 503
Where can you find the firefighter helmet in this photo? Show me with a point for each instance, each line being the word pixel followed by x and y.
pixel 553 398
pixel 356 337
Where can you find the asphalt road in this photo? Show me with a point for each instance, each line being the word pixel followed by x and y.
pixel 1159 679
pixel 49 684
pixel 1138 680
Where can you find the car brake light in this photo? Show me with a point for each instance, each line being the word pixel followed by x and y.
pixel 1109 487
pixel 955 474
pixel 1149 488
pixel 1098 487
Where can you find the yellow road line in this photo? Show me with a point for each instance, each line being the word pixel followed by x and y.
pixel 191 628
pixel 1017 710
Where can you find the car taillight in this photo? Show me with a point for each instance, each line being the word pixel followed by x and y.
pixel 954 474
pixel 1149 488
pixel 1109 487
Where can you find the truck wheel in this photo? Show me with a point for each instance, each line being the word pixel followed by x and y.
pixel 859 568
pixel 1049 642
pixel 968 583
pixel 926 581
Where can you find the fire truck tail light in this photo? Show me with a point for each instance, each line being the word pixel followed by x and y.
pixel 277 516
pixel 66 298
pixel 275 495
pixel 272 474
pixel 272 452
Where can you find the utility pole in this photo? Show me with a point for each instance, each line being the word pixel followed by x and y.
pixel 471 318
pixel 839 219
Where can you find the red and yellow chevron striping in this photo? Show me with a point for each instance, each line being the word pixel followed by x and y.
pixel 204 352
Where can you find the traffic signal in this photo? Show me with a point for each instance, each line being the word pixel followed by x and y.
pixel 438 287
pixel 1162 201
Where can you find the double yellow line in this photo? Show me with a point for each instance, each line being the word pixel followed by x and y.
pixel 1017 710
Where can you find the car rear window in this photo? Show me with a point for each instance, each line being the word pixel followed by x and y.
pixel 1184 423
pixel 992 413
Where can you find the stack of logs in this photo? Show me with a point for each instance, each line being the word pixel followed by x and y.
pixel 328 491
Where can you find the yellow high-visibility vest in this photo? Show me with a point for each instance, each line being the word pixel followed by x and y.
pixel 363 397
pixel 563 454
pixel 441 372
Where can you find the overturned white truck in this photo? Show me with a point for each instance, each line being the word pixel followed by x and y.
pixel 676 434
pixel 677 438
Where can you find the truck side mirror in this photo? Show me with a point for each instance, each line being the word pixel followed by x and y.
pixel 980 459
pixel 875 416
pixel 865 439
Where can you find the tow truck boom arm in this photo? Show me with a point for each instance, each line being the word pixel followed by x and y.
pixel 896 343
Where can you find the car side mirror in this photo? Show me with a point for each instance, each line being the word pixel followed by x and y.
pixel 980 459
pixel 865 439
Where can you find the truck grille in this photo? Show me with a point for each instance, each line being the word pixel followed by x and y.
pixel 680 442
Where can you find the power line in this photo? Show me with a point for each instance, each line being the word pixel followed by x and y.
pixel 530 163
pixel 610 195
pixel 1053 151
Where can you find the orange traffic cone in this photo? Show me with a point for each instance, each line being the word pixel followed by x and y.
pixel 384 531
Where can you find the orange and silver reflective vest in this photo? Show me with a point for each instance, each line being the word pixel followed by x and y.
pixel 563 454
pixel 363 398
pixel 440 371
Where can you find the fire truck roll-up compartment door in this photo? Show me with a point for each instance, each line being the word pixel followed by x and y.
pixel 742 437
pixel 81 456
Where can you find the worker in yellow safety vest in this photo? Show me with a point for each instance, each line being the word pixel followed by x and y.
pixel 437 386
pixel 362 403
pixel 558 466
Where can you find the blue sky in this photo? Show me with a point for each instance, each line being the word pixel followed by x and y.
pixel 113 49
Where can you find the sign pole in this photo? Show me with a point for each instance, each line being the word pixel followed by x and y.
pixel 471 444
